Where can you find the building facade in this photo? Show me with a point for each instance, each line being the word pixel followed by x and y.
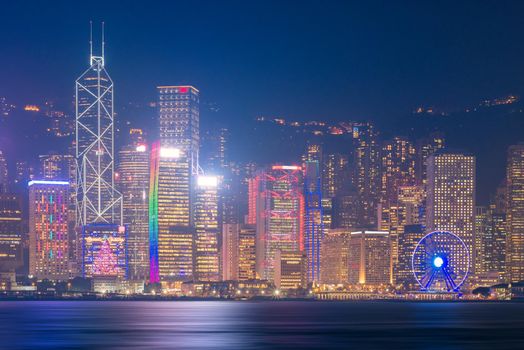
pixel 48 229
pixel 515 213
pixel 451 197
pixel 369 258
pixel 133 184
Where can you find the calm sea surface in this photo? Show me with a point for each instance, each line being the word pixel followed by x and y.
pixel 259 325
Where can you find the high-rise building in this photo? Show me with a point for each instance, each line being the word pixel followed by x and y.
pixel 345 213
pixel 58 167
pixel 98 201
pixel 206 255
pixel 406 208
pixel 335 255
pixel 10 232
pixel 425 148
pixel 408 239
pixel 276 197
pixel 133 182
pixel 290 270
pixel 490 245
pixel 4 179
pixel 398 168
pixel 169 214
pixel 451 198
pixel 247 253
pixel 230 252
pixel 515 213
pixel 179 120
pixel 48 229
pixel 314 219
pixel 367 173
pixel 336 178
pixel 369 258
pixel 215 150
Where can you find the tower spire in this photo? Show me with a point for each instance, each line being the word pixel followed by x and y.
pixel 90 41
pixel 103 41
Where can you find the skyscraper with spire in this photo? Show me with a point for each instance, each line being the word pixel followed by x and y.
pixel 98 201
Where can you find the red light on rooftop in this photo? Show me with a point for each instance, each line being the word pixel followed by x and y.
pixel 183 90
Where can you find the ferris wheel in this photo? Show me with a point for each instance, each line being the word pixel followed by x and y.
pixel 441 262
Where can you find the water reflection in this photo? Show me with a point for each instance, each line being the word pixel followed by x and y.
pixel 259 325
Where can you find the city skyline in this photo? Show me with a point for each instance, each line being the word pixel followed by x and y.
pixel 162 206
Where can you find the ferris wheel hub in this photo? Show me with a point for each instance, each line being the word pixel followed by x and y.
pixel 438 262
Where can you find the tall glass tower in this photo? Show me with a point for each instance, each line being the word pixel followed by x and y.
pixel 97 199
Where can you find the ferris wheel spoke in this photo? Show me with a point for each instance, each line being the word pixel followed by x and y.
pixel 449 279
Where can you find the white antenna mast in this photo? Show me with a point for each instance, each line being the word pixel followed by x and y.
pixel 103 43
pixel 90 41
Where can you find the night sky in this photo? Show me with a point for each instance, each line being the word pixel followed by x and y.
pixel 303 59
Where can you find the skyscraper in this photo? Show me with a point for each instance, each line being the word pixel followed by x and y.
pixel 97 198
pixel 206 255
pixel 58 167
pixel 174 165
pixel 369 258
pixel 335 255
pixel 408 239
pixel 277 199
pixel 179 120
pixel 451 197
pixel 367 173
pixel 247 253
pixel 169 214
pixel 230 252
pixel 48 229
pixel 10 232
pixel 314 219
pixel 515 213
pixel 133 182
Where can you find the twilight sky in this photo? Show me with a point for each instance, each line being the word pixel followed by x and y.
pixel 303 59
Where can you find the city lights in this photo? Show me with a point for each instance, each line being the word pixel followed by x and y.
pixel 170 152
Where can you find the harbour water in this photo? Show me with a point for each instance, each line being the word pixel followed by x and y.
pixel 260 325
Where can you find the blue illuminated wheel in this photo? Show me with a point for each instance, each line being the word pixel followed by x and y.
pixel 441 262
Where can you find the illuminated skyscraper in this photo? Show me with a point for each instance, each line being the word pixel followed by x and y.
pixel 247 253
pixel 4 180
pixel 48 229
pixel 276 196
pixel 490 245
pixel 425 148
pixel 367 173
pixel 133 181
pixel 206 255
pixel 451 197
pixel 58 167
pixel 408 239
pixel 169 214
pixel 10 232
pixel 369 258
pixel 230 252
pixel 97 199
pixel 314 224
pixel 179 120
pixel 515 213
pixel 336 177
pixel 335 255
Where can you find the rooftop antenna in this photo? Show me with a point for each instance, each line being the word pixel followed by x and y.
pixel 103 42
pixel 90 41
